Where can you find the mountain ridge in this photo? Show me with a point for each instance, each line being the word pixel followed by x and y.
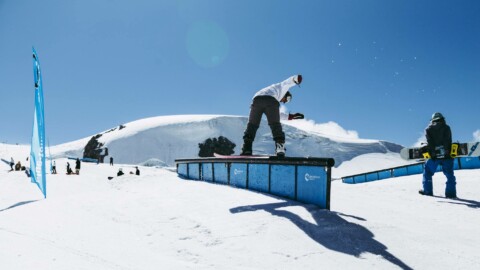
pixel 167 138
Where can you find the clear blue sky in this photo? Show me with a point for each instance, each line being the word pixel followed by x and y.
pixel 378 67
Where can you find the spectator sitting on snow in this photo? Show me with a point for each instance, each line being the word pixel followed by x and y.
pixel 18 166
pixel 69 170
pixel 120 172
pixel 137 171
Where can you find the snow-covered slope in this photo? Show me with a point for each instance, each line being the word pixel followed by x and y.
pixel 159 221
pixel 168 138
pixel 369 163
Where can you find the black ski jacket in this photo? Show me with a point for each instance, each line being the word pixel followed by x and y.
pixel 438 133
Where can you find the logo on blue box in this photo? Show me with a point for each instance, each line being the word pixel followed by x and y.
pixel 309 177
pixel 237 171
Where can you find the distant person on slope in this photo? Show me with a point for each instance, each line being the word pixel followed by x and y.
pixel 120 172
pixel 54 168
pixel 77 166
pixel 69 169
pixel 18 166
pixel 439 143
pixel 137 171
pixel 12 162
pixel 267 101
pixel 111 161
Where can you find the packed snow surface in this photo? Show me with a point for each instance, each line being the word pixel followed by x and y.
pixel 159 221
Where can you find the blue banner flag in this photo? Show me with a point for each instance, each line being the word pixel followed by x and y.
pixel 37 151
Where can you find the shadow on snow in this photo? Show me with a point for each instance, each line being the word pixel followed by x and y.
pixel 16 205
pixel 332 231
pixel 468 203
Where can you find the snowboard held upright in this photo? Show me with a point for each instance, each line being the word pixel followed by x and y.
pixel 457 150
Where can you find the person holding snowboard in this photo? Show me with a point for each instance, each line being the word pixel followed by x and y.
pixel 439 143
pixel 267 101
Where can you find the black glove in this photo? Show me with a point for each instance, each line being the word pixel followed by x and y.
pixel 297 79
pixel 295 116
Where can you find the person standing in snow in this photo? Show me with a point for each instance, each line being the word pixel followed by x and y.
pixel 54 167
pixel 111 161
pixel 439 143
pixel 12 162
pixel 77 166
pixel 267 101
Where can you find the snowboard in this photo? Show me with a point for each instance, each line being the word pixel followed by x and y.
pixel 458 150
pixel 240 156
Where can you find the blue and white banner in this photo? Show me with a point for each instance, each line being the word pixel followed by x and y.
pixel 37 151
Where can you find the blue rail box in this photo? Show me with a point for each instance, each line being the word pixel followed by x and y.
pixel 306 180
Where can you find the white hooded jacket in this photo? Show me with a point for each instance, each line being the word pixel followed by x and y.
pixel 277 90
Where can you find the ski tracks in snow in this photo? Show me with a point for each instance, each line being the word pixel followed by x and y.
pixel 48 244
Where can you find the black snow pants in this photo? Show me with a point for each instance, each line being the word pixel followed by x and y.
pixel 269 106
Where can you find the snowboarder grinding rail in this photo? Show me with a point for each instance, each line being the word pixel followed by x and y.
pixel 267 101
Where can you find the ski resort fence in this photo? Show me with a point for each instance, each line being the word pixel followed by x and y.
pixel 305 180
pixel 460 163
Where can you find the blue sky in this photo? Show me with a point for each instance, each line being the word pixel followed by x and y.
pixel 380 68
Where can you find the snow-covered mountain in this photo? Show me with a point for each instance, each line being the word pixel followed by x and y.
pixel 167 138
